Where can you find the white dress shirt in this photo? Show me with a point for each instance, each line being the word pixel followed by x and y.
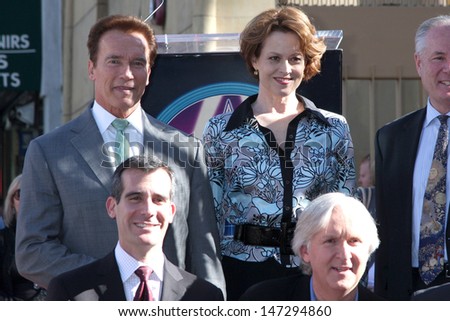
pixel 127 265
pixel 134 131
pixel 421 171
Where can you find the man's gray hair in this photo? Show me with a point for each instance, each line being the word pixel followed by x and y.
pixel 427 25
pixel 317 215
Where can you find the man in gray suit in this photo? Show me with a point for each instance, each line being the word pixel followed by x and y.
pixel 141 204
pixel 67 173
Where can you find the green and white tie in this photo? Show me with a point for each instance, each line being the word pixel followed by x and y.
pixel 123 148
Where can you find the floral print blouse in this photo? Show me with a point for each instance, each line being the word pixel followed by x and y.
pixel 256 182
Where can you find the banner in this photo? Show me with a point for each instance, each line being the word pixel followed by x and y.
pixel 20 45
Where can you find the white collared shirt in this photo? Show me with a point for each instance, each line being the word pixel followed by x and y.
pixel 134 131
pixel 422 167
pixel 127 265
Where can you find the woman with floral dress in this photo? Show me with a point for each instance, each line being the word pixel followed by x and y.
pixel 275 153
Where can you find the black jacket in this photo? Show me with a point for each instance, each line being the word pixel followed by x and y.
pixel 13 287
pixel 293 288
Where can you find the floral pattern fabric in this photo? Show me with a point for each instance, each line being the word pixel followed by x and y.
pixel 432 226
pixel 255 182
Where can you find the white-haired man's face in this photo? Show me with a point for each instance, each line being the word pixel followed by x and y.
pixel 338 257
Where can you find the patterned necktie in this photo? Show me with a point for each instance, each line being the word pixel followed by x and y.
pixel 431 245
pixel 124 146
pixel 143 292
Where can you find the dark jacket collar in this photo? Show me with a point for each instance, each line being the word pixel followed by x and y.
pixel 244 113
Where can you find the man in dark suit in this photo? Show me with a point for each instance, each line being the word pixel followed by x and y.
pixel 294 288
pixel 67 172
pixel 141 205
pixel 404 152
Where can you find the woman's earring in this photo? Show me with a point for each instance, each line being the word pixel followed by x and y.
pixel 256 73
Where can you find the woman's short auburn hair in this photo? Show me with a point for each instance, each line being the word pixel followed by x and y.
pixel 285 19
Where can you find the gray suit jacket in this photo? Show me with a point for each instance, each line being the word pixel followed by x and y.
pixel 63 223
pixel 101 281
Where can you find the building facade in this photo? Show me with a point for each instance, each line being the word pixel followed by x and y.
pixel 380 82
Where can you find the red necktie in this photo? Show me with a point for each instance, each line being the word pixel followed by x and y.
pixel 143 293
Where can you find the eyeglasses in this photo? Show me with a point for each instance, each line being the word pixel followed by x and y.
pixel 17 195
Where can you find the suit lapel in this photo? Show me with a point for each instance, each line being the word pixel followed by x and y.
pixel 407 142
pixel 173 287
pixel 155 141
pixel 411 132
pixel 111 286
pixel 88 141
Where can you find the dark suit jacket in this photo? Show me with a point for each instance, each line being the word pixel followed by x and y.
pixel 66 180
pixel 100 281
pixel 435 293
pixel 292 288
pixel 395 155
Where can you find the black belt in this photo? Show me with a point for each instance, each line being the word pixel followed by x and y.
pixel 267 236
